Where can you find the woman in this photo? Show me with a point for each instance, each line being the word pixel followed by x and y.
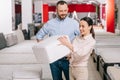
pixel 81 48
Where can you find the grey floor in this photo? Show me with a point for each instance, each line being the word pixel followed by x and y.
pixel 93 73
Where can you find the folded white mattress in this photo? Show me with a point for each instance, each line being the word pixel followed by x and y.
pixel 50 50
pixel 114 72
pixel 107 37
pixel 107 41
pixel 107 44
pixel 103 33
pixel 109 55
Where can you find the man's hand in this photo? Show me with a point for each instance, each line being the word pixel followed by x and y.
pixel 39 40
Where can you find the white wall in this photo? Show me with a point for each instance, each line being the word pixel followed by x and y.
pixel 26 13
pixel 13 14
pixel 118 5
pixel 102 1
pixel 6 16
pixel 38 7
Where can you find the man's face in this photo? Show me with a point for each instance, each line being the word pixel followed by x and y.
pixel 62 11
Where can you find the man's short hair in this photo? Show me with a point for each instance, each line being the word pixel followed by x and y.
pixel 61 2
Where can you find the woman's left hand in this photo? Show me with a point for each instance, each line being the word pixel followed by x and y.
pixel 64 40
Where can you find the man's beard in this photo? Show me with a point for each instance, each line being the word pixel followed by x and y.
pixel 62 18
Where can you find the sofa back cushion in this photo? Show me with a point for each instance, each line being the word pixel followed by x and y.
pixel 11 39
pixel 20 35
pixel 26 35
pixel 2 41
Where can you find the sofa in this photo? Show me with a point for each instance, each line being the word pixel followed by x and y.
pixel 16 54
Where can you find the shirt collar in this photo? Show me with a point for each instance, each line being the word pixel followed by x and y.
pixel 61 20
pixel 86 37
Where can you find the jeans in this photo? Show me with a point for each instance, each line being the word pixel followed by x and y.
pixel 58 66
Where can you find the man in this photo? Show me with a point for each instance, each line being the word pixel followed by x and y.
pixel 61 25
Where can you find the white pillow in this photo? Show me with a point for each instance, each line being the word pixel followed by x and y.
pixel 20 35
pixel 11 39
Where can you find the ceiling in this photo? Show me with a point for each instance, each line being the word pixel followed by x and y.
pixel 53 2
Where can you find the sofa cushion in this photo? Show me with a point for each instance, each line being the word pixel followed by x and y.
pixel 11 39
pixel 20 35
pixel 21 53
pixel 25 33
pixel 2 41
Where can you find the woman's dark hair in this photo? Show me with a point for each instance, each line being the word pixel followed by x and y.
pixel 90 23
pixel 61 2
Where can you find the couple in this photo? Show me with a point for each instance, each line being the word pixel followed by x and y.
pixel 82 43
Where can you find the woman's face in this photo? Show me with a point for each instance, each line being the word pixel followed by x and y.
pixel 84 28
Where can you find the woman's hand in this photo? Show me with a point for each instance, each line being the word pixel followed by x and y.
pixel 64 41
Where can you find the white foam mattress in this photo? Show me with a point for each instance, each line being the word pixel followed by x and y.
pixel 107 44
pixel 108 40
pixel 109 55
pixel 103 33
pixel 107 37
pixel 50 50
pixel 114 73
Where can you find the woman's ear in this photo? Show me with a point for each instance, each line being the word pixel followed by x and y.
pixel 90 27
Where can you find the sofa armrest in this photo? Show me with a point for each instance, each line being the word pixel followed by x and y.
pixel 2 41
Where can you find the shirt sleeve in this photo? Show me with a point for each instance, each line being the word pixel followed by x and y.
pixel 42 32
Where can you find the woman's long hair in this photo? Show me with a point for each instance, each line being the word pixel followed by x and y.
pixel 90 23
